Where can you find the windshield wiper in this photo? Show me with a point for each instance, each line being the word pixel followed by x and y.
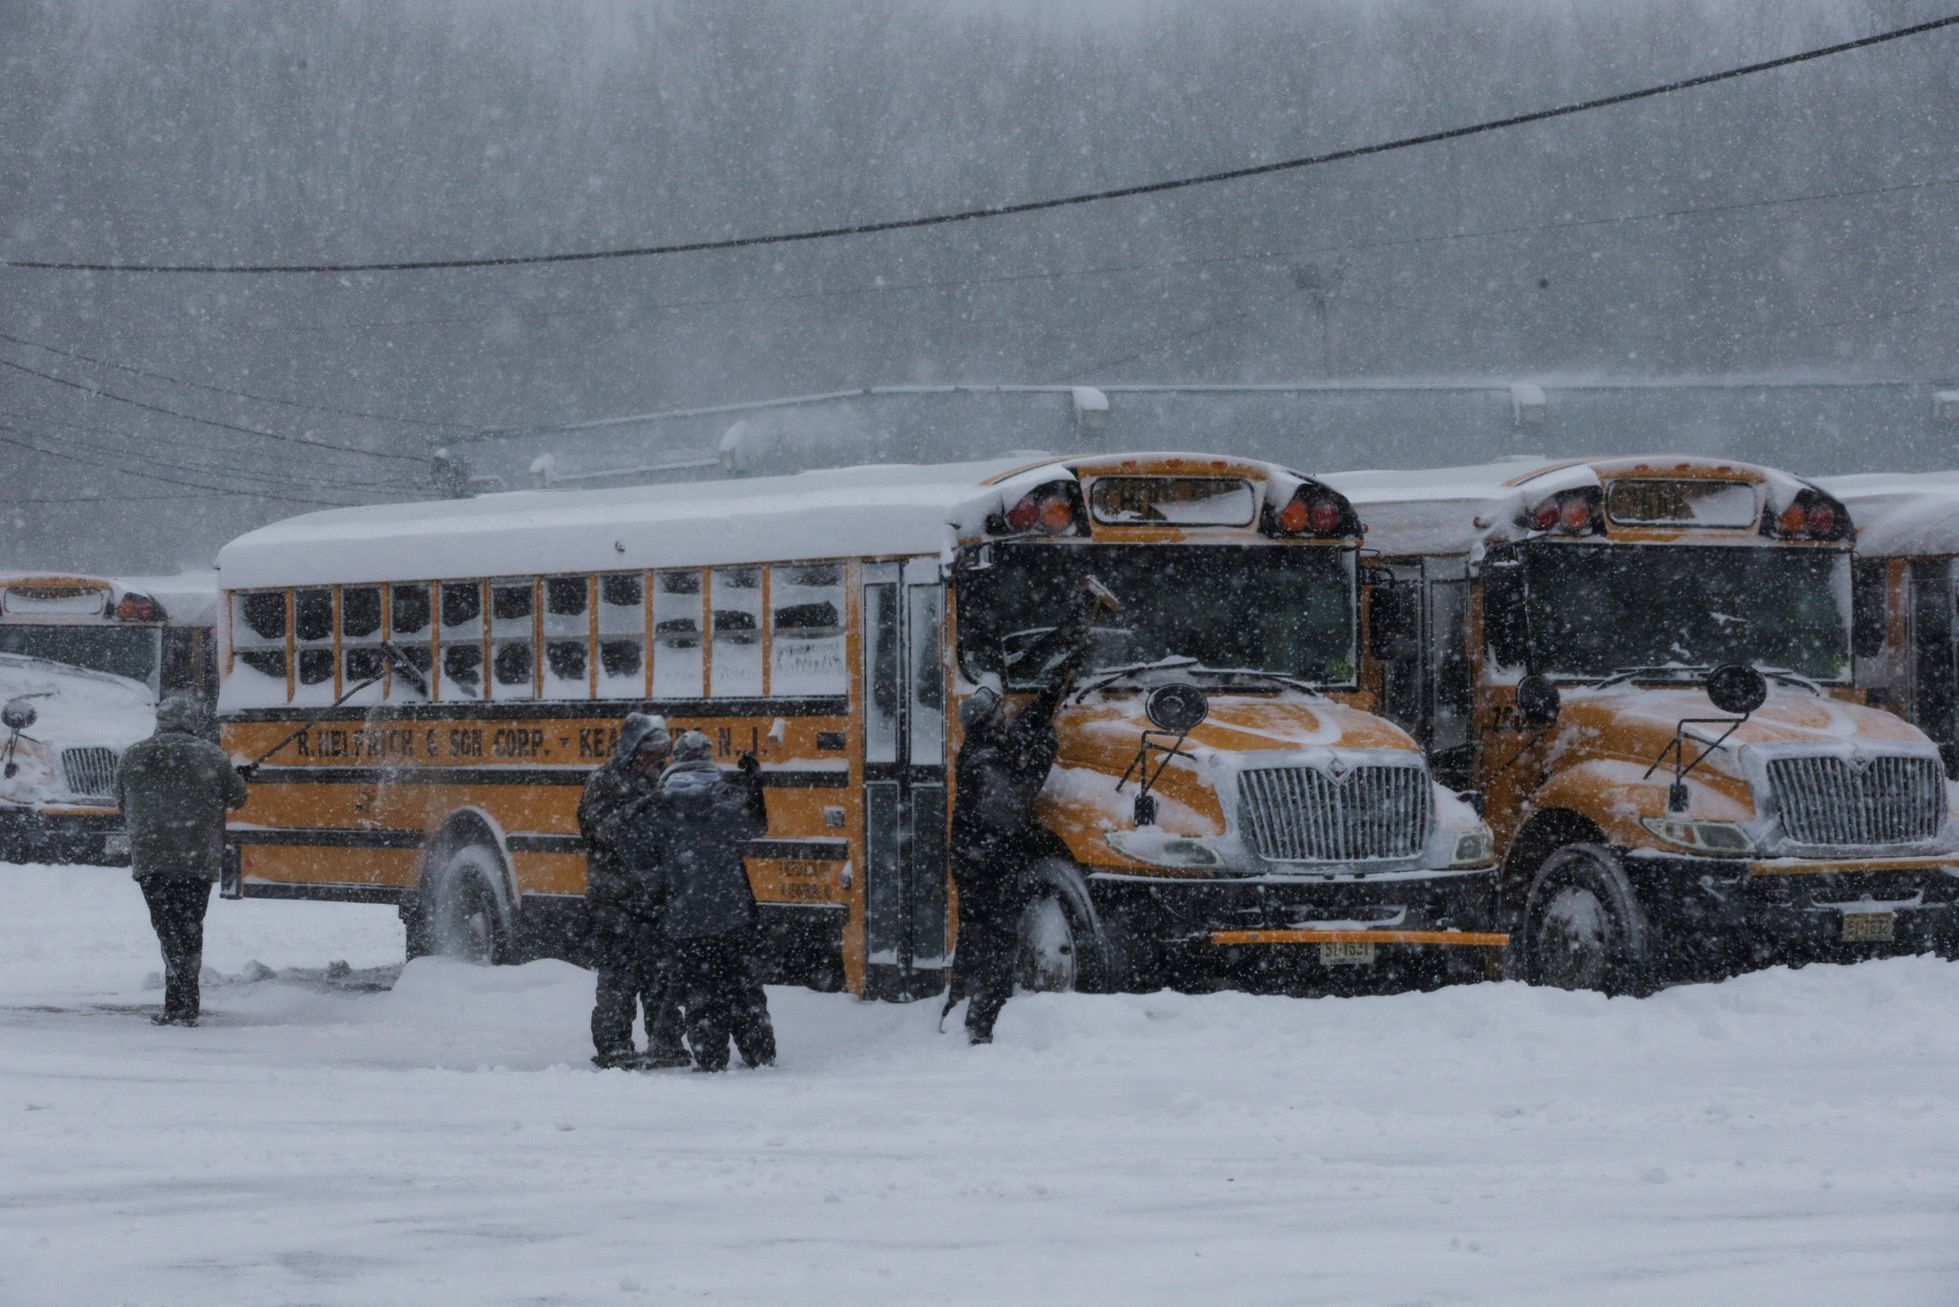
pixel 1110 675
pixel 1699 672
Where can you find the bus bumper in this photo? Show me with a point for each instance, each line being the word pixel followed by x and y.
pixel 1393 926
pixel 63 835
pixel 1804 909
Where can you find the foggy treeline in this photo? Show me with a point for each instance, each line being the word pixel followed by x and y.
pixel 194 132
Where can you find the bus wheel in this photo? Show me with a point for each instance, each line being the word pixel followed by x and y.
pixel 1584 928
pixel 459 915
pixel 1048 961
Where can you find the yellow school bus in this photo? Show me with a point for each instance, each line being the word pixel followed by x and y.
pixel 1222 793
pixel 83 660
pixel 1908 545
pixel 1645 667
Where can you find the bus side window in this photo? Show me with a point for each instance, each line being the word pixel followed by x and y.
pixel 806 636
pixel 567 637
pixel 312 628
pixel 409 626
pixel 513 631
pixel 677 662
pixel 462 640
pixel 737 665
pixel 360 640
pixel 622 635
pixel 258 637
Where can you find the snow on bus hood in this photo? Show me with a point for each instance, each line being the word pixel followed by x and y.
pixel 1639 721
pixel 73 706
pixel 1237 724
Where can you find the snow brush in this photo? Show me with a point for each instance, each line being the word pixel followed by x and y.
pixel 394 659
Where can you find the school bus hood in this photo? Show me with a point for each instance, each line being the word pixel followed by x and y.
pixel 1640 720
pixel 1107 729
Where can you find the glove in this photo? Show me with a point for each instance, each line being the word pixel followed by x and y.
pixel 246 771
pixel 749 766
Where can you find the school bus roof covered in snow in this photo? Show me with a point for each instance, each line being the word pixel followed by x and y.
pixel 188 598
pixel 888 510
pixel 1455 510
pixel 1900 513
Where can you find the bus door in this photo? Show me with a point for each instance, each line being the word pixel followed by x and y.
pixel 904 779
pixel 1419 611
pixel 1934 656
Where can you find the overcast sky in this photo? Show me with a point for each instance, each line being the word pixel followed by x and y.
pixel 197 132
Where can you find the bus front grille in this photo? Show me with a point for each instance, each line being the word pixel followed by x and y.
pixel 1362 814
pixel 90 772
pixel 1893 799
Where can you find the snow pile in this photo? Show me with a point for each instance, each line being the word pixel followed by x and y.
pixel 1788 1138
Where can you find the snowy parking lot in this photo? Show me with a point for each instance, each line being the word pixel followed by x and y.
pixel 1788 1137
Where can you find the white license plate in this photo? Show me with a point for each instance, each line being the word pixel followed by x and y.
pixel 1868 927
pixel 1347 953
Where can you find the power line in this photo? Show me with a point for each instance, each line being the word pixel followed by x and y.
pixel 264 476
pixel 209 422
pixel 114 499
pixel 242 394
pixel 1210 260
pixel 1027 206
pixel 155 476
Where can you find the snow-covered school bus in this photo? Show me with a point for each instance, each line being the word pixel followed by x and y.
pixel 1644 665
pixel 83 660
pixel 1222 792
pixel 1908 543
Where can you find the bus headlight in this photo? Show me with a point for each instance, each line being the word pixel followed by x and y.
pixel 1163 850
pixel 1716 838
pixel 1475 847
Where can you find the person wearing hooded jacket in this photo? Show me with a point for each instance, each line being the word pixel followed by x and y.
pixel 174 789
pixel 1004 760
pixel 623 908
pixel 692 844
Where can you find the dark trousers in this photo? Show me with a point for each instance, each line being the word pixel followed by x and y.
pixel 633 973
pixel 987 947
pixel 177 905
pixel 723 999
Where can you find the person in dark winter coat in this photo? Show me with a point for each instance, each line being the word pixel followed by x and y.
pixel 623 907
pixel 1003 762
pixel 174 789
pixel 694 840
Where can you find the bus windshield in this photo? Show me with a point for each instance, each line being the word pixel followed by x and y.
pixel 1597 609
pixel 118 650
pixel 1273 608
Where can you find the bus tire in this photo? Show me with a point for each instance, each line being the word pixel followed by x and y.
pixel 460 914
pixel 1584 927
pixel 1062 946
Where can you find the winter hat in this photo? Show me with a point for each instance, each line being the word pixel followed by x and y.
pixel 180 712
pixel 641 729
pixel 692 746
pixel 979 707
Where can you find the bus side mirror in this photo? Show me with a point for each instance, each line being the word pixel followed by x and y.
pixel 1867 617
pixel 1538 702
pixel 1392 629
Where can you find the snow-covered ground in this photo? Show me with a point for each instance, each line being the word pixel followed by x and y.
pixel 1788 1137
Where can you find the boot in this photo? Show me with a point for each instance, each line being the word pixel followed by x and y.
pixel 611 1059
pixel 664 1059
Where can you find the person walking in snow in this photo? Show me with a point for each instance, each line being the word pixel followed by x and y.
pixel 1003 762
pixel 692 843
pixel 174 789
pixel 628 951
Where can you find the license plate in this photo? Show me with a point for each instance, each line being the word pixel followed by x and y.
pixel 1347 953
pixel 1867 927
pixel 116 846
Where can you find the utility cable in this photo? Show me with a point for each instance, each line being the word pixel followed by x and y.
pixel 1113 269
pixel 156 476
pixel 1027 206
pixel 242 394
pixel 262 476
pixel 209 422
